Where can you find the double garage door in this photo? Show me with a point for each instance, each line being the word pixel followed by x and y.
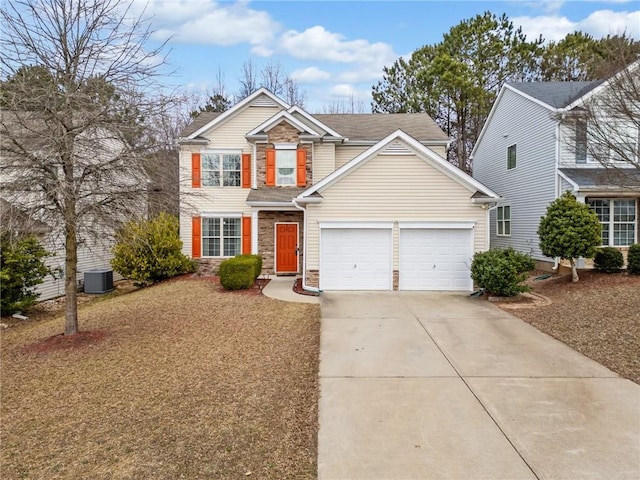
pixel 428 259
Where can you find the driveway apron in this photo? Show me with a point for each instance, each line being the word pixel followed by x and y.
pixel 444 386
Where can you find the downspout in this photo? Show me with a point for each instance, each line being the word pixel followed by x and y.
pixel 304 249
pixel 556 260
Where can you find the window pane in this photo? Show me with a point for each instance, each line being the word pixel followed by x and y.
pixel 286 167
pixel 210 161
pixel 500 213
pixel 624 211
pixel 511 157
pixel 601 207
pixel 231 161
pixel 231 179
pixel 231 247
pixel 507 228
pixel 500 228
pixel 231 227
pixel 605 234
pixel 581 141
pixel 623 234
pixel 211 247
pixel 209 227
pixel 210 178
pixel 507 213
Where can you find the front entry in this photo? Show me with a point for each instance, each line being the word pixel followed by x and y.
pixel 286 248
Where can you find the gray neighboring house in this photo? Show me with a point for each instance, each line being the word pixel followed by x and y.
pixel 529 156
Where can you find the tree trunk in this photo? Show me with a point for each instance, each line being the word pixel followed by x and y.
pixel 70 270
pixel 574 271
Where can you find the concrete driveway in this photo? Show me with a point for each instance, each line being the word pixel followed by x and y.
pixel 443 386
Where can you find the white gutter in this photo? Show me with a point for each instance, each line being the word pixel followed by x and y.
pixel 304 250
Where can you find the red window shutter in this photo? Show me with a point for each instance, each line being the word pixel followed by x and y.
pixel 270 181
pixel 301 156
pixel 195 170
pixel 246 235
pixel 246 170
pixel 196 237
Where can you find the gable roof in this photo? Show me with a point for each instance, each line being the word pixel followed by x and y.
pixel 555 94
pixel 419 149
pixel 600 179
pixel 276 119
pixel 233 110
pixel 373 127
pixel 200 121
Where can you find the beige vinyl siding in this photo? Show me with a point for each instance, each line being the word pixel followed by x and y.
pixel 412 191
pixel 439 149
pixel 346 153
pixel 90 257
pixel 231 133
pixel 529 187
pixel 323 160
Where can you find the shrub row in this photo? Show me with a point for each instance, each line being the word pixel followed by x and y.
pixel 240 272
pixel 611 260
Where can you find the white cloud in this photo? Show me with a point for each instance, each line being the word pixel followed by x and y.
pixel 598 24
pixel 210 22
pixel 310 75
pixel 345 90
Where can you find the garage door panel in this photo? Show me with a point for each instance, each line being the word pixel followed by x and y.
pixel 355 259
pixel 435 259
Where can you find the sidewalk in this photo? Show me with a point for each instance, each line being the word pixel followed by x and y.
pixel 281 288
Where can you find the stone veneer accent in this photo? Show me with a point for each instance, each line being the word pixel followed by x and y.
pixel 267 237
pixel 208 266
pixel 396 280
pixel 281 133
pixel 313 278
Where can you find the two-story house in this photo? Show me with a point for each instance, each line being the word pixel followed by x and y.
pixel 350 202
pixel 536 144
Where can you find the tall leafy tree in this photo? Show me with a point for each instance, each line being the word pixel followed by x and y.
pixel 76 131
pixel 457 80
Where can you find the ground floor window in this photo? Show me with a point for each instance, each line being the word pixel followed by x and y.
pixel 221 236
pixel 618 217
pixel 503 220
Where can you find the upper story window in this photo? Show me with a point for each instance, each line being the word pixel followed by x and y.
pixel 286 166
pixel 221 169
pixel 511 157
pixel 581 141
pixel 503 221
pixel 618 218
pixel 609 141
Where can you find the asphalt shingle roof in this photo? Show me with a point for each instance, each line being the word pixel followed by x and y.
pixel 556 94
pixel 604 178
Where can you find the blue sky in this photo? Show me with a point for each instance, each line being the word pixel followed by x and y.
pixel 336 49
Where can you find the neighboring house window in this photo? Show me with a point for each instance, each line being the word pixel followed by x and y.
pixel 221 236
pixel 581 141
pixel 286 165
pixel 511 157
pixel 503 219
pixel 221 169
pixel 618 218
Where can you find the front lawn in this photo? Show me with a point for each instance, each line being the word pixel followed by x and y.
pixel 599 316
pixel 180 380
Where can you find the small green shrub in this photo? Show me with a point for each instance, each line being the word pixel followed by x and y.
pixel 501 271
pixel 608 260
pixel 257 261
pixel 150 250
pixel 21 269
pixel 237 273
pixel 633 259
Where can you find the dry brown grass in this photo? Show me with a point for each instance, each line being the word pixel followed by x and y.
pixel 188 382
pixel 599 316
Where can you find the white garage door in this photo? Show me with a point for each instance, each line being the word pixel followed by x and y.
pixel 355 258
pixel 436 259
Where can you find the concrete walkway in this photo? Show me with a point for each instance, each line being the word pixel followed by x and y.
pixel 281 288
pixel 442 386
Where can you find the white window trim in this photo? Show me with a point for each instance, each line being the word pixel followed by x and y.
pixel 221 216
pixel 503 220
pixel 611 223
pixel 286 147
pixel 220 151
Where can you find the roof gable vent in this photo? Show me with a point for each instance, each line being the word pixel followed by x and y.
pixel 263 101
pixel 396 148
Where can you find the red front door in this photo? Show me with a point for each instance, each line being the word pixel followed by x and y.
pixel 286 247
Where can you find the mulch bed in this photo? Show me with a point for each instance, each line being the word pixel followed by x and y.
pixel 78 340
pixel 297 288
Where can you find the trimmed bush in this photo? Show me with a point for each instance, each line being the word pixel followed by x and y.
pixel 633 259
pixel 150 250
pixel 608 260
pixel 21 269
pixel 238 273
pixel 257 261
pixel 501 272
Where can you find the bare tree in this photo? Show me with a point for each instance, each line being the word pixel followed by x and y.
pixel 351 105
pixel 79 97
pixel 605 128
pixel 274 79
pixel 248 79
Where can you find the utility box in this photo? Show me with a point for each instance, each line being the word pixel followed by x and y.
pixel 98 281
